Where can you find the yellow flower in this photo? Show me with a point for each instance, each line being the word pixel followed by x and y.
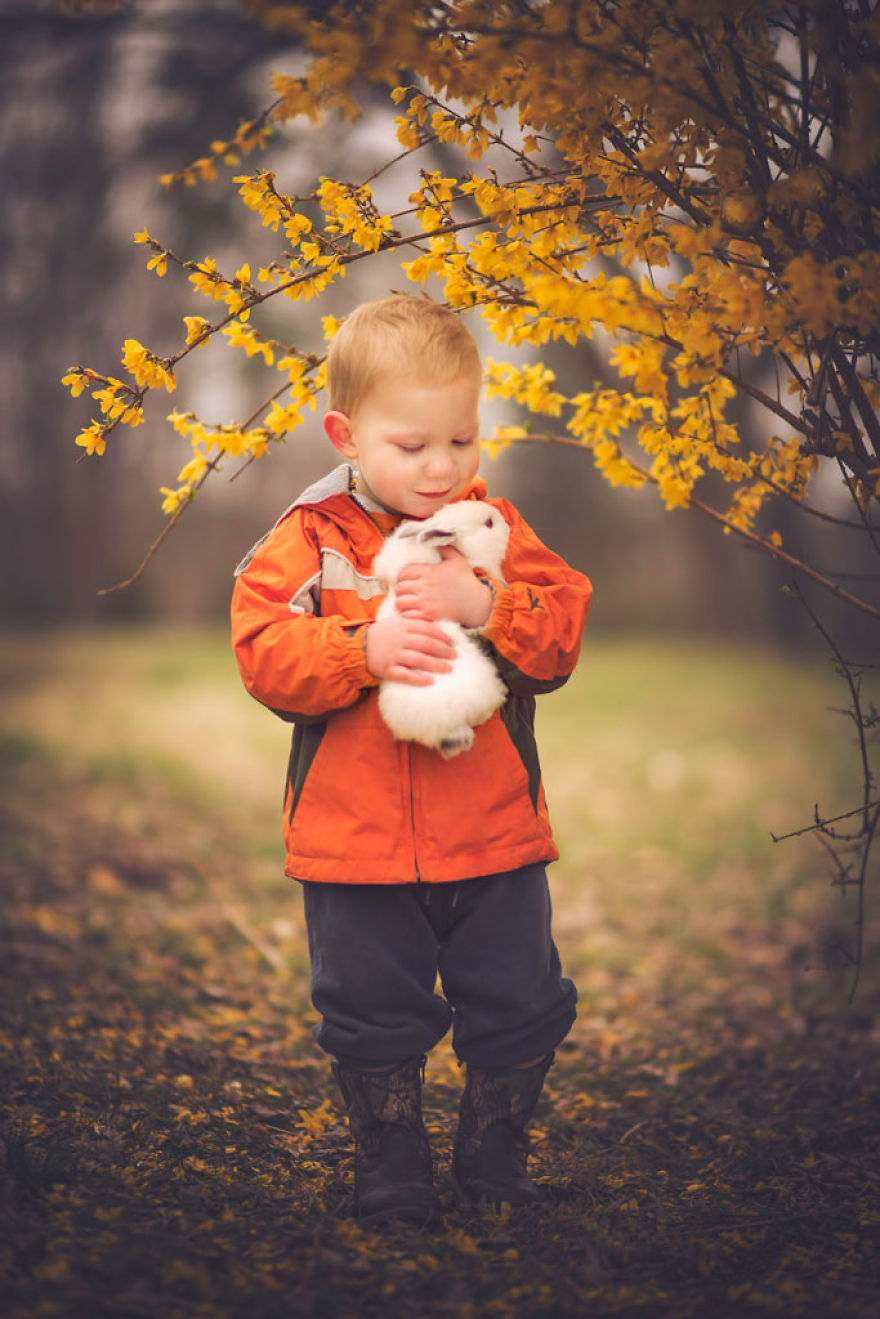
pixel 170 504
pixel 182 422
pixel 408 135
pixel 196 326
pixel 92 439
pixel 146 368
pixel 76 382
pixel 206 280
pixel 242 336
pixel 194 469
pixel 257 441
pixel 528 384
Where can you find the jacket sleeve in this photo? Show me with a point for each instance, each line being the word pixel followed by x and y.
pixel 299 664
pixel 539 612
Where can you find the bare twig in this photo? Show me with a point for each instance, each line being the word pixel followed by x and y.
pixel 822 823
pixel 845 668
pixel 165 532
pixel 760 542
pixel 869 811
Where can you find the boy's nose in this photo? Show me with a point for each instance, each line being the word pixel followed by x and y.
pixel 440 465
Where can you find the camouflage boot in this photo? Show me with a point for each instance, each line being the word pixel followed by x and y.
pixel 393 1173
pixel 492 1147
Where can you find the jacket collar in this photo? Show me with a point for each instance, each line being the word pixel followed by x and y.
pixel 341 481
pixel 333 494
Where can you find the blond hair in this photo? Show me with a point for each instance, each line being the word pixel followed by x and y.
pixel 398 335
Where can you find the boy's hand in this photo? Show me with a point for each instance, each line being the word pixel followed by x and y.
pixel 408 649
pixel 444 590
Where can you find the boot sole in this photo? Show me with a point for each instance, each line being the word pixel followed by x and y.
pixel 492 1199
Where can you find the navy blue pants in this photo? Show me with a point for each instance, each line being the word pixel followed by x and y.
pixel 376 950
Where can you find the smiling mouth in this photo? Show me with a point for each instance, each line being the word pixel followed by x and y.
pixel 433 494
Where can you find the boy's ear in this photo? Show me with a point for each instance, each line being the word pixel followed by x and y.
pixel 338 428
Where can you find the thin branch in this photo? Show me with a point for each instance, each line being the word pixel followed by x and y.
pixel 866 412
pixel 796 423
pixel 778 553
pixel 862 512
pixel 761 542
pixel 212 466
pixel 657 177
pixel 252 458
pixel 822 823
pixel 752 113
pixel 869 810
pixel 858 459
pixel 815 512
pixel 855 695
pixel 806 83
pixel 842 877
pixel 860 914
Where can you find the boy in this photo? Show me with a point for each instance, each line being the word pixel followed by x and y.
pixel 410 863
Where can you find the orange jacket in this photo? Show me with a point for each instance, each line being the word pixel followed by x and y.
pixel 359 806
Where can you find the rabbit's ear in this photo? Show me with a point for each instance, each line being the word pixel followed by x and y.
pixel 429 535
pixel 408 531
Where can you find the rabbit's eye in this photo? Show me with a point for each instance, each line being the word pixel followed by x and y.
pixel 489 522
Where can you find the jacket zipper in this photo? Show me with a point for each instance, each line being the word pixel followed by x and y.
pixel 412 812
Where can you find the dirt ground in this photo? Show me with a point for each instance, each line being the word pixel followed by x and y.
pixel 172 1144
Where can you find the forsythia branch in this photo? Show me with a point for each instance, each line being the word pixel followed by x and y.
pixel 683 186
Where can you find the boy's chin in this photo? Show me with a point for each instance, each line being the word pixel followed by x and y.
pixel 428 504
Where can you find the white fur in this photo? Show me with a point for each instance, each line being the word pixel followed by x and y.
pixel 444 715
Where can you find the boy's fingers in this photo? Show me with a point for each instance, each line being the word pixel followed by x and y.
pixel 419 611
pixel 414 571
pixel 439 645
pixel 424 654
pixel 432 640
pixel 415 678
pixel 419 661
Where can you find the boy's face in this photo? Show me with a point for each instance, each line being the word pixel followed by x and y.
pixel 416 445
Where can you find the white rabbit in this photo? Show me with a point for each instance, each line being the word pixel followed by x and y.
pixel 445 714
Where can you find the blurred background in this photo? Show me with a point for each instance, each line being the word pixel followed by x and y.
pixel 149 937
pixel 93 109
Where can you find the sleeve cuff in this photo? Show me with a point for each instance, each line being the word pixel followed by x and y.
pixel 355 662
pixel 501 615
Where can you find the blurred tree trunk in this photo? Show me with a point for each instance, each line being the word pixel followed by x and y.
pixel 79 124
pixel 57 173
